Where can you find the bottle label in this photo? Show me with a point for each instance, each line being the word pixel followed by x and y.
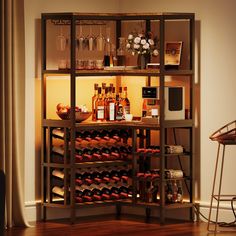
pixel 112 111
pixel 126 110
pixel 119 113
pixel 100 112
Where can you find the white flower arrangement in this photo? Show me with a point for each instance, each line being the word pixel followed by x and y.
pixel 139 44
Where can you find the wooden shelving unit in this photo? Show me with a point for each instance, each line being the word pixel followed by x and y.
pixel 136 128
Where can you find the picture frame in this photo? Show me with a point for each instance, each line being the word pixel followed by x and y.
pixel 173 51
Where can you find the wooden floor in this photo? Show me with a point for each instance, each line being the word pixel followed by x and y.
pixel 109 226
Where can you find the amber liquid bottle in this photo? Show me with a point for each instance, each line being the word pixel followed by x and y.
pixel 110 106
pixel 125 103
pixel 119 106
pixel 94 98
pixel 100 106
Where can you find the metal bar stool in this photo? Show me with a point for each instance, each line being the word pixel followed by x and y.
pixel 224 136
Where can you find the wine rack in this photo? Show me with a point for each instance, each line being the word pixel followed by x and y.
pixel 117 162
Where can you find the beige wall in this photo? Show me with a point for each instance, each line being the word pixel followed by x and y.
pixel 215 82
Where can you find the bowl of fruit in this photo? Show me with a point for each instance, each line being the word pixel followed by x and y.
pixel 81 112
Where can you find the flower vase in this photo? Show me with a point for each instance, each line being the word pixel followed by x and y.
pixel 143 59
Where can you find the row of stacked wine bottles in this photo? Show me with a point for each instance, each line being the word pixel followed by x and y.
pixel 115 183
pixel 96 184
pixel 94 145
pixel 112 135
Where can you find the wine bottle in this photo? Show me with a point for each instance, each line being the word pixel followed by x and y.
pixel 114 134
pixel 87 136
pixel 96 135
pixel 125 103
pixel 115 153
pixel 97 193
pixel 107 189
pixel 58 173
pixel 114 175
pixel 86 176
pixel 97 176
pixel 109 105
pixel 106 175
pixel 58 133
pixel 124 175
pixel 105 153
pixel 105 135
pixel 128 189
pixel 119 106
pixel 97 154
pixel 87 154
pixel 94 98
pixel 84 193
pixel 79 178
pixel 78 154
pixel 58 191
pixel 100 106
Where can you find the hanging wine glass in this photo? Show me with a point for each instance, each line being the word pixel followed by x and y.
pixel 80 39
pixel 91 39
pixel 61 41
pixel 100 40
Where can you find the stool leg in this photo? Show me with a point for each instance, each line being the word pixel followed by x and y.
pixel 220 184
pixel 213 187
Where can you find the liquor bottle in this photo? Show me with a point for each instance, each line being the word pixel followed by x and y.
pixel 110 106
pixel 119 106
pixel 169 193
pixel 180 194
pixel 103 90
pixel 121 61
pixel 94 98
pixel 175 191
pixel 125 103
pixel 100 106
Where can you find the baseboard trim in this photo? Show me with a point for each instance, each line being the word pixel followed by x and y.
pixel 33 211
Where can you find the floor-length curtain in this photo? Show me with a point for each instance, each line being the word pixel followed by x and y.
pixel 12 114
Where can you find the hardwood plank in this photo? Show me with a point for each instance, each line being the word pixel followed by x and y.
pixel 107 225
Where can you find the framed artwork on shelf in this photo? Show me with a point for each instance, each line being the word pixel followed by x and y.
pixel 173 51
